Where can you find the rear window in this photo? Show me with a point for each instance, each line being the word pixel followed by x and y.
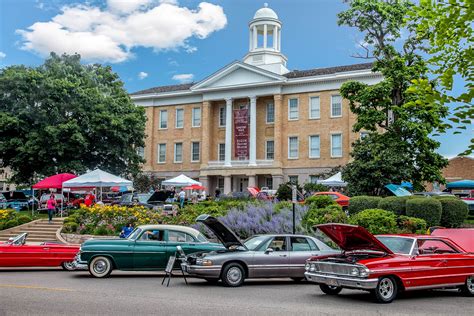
pixel 14 195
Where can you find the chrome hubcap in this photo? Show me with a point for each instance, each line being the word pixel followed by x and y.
pixel 234 275
pixel 386 288
pixel 100 266
pixel 470 284
pixel 69 265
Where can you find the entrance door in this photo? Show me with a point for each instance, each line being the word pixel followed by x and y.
pixel 243 184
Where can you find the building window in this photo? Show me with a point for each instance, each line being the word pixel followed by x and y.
pixel 292 147
pixel 270 150
pixel 179 118
pixel 195 152
pixel 313 179
pixel 270 112
pixel 220 184
pixel 314 108
pixel 141 152
pixel 269 182
pixel 363 134
pixel 336 145
pixel 161 153
pixel 196 117
pixel 178 152
pixel 293 179
pixel 293 109
pixel 221 152
pixel 163 119
pixel 222 115
pixel 314 146
pixel 336 106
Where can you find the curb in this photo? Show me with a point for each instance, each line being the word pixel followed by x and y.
pixel 60 237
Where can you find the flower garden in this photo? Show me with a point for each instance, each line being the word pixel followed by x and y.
pixel 11 218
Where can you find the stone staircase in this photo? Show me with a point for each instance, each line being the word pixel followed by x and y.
pixel 38 231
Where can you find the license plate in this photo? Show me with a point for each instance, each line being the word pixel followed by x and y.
pixel 333 282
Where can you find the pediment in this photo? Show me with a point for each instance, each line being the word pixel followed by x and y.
pixel 235 75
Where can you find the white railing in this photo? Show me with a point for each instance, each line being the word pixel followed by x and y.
pixel 238 163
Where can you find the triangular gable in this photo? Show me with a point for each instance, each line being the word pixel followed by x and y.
pixel 237 74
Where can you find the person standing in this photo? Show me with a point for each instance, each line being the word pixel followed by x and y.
pixel 51 207
pixel 182 195
pixel 218 192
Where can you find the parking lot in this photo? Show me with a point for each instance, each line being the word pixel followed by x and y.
pixel 55 292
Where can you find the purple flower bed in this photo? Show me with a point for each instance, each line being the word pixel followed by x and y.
pixel 260 219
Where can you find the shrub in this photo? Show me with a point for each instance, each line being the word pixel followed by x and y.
pixel 11 223
pixel 376 221
pixel 395 204
pixel 284 192
pixel 282 205
pixel 425 208
pixel 329 214
pixel 411 225
pixel 23 219
pixel 103 230
pixel 70 227
pixel 319 201
pixel 315 187
pixel 363 202
pixel 454 212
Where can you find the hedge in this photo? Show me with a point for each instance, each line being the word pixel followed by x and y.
pixel 395 204
pixel 411 225
pixel 454 212
pixel 361 203
pixel 329 214
pixel 319 201
pixel 376 221
pixel 425 208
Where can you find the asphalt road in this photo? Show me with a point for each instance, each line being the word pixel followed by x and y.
pixel 56 292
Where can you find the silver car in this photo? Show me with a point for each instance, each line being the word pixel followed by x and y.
pixel 261 256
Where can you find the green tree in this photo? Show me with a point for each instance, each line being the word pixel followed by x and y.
pixel 67 117
pixel 400 123
pixel 448 27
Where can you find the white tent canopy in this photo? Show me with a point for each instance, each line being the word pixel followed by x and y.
pixel 334 181
pixel 96 178
pixel 181 181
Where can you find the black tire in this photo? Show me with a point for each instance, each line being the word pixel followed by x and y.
pixel 330 290
pixel 233 275
pixel 212 281
pixel 386 290
pixel 468 288
pixel 68 266
pixel 297 280
pixel 100 267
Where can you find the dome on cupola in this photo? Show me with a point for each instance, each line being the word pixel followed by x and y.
pixel 265 13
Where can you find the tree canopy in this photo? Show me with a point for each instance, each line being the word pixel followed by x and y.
pixel 64 116
pixel 398 147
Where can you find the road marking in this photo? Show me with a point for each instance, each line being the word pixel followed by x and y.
pixel 36 287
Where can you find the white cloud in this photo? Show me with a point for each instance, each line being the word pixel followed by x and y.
pixel 110 34
pixel 183 78
pixel 142 75
pixel 2 55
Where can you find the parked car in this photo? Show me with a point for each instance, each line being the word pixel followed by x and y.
pixel 388 264
pixel 3 202
pixel 148 247
pixel 16 200
pixel 340 198
pixel 434 193
pixel 17 253
pixel 261 256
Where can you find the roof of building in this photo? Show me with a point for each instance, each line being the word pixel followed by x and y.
pixel 265 12
pixel 290 75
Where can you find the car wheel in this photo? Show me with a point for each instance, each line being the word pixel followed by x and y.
pixel 386 290
pixel 468 288
pixel 68 266
pixel 233 275
pixel 330 290
pixel 297 280
pixel 100 267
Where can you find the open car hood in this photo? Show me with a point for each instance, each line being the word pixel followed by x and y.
pixel 222 232
pixel 352 237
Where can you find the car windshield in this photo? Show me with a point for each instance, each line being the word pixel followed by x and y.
pixel 136 232
pixel 201 238
pixel 143 198
pixel 254 242
pixel 400 245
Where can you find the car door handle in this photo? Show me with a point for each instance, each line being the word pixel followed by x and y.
pixel 46 248
pixel 282 255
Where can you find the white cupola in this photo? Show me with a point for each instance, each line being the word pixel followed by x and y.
pixel 265 42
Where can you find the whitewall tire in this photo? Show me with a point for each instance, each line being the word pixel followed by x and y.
pixel 100 267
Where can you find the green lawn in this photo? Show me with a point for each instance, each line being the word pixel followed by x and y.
pixel 36 216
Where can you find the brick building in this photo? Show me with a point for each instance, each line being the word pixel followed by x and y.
pixel 253 122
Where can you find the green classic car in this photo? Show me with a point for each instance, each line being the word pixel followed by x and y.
pixel 147 248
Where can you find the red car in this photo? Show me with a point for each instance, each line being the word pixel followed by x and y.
pixel 16 253
pixel 340 198
pixel 388 264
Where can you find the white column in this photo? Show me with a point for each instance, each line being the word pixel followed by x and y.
pixel 264 36
pixel 250 39
pixel 253 131
pixel 255 37
pixel 252 181
pixel 279 39
pixel 228 132
pixel 275 37
pixel 227 184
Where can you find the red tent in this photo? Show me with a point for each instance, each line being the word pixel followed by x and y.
pixel 194 187
pixel 54 182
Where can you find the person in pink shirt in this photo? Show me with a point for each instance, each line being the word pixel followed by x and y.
pixel 51 207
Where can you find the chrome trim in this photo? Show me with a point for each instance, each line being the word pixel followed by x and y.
pixel 355 283
pixel 437 286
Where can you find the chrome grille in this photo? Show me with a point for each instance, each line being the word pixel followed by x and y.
pixel 334 268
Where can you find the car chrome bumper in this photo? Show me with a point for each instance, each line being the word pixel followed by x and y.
pixel 78 264
pixel 202 271
pixel 347 282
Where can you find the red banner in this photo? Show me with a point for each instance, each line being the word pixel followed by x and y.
pixel 241 134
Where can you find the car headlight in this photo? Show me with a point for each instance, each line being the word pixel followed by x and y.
pixel 203 262
pixel 306 266
pixel 363 272
pixel 355 272
pixel 312 267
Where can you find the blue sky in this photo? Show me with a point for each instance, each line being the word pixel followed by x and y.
pixel 171 41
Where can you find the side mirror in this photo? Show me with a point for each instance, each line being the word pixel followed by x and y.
pixel 269 250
